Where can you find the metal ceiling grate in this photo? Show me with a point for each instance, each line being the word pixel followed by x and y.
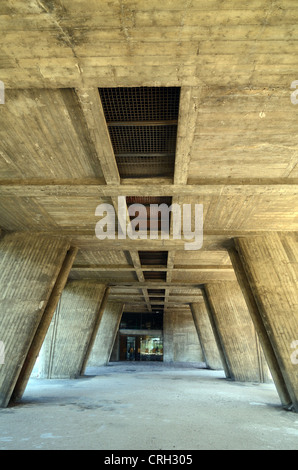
pixel 144 139
pixel 139 166
pixel 140 104
pixel 142 123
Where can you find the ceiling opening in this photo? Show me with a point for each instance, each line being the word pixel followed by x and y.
pixel 154 258
pixel 157 292
pixel 154 216
pixel 142 124
pixel 155 275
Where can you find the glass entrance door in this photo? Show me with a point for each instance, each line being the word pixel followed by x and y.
pixel 141 348
pixel 131 348
pixel 151 348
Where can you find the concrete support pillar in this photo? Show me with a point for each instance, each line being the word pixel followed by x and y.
pixel 181 342
pixel 235 331
pixel 270 263
pixel 206 335
pixel 72 332
pixel 44 325
pixel 216 335
pixel 29 268
pixel 260 328
pixel 105 338
pixel 95 329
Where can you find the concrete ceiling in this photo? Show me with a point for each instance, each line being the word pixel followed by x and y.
pixel 237 140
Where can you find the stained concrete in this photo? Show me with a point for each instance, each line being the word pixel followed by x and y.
pixel 146 406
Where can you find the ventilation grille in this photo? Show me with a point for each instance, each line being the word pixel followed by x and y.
pixel 145 167
pixel 144 139
pixel 142 123
pixel 140 104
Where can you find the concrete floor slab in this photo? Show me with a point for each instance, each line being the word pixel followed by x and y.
pixel 146 406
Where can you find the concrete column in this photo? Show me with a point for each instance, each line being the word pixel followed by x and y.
pixel 115 353
pixel 95 329
pixel 71 332
pixel 29 268
pixel 236 331
pixel 44 325
pixel 206 336
pixel 181 342
pixel 260 329
pixel 105 338
pixel 216 335
pixel 271 266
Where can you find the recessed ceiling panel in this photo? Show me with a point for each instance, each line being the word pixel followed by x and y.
pixel 142 124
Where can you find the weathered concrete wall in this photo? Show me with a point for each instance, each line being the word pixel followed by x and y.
pixel 206 335
pixel 29 267
pixel 70 333
pixel 106 335
pixel 181 342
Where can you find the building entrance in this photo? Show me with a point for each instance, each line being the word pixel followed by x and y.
pixel 141 348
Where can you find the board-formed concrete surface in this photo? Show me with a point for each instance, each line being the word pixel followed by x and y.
pixel 146 406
